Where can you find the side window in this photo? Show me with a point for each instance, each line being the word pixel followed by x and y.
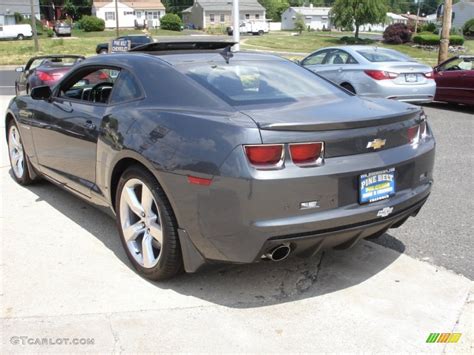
pixel 315 59
pixel 127 89
pixel 94 85
pixel 457 64
pixel 340 57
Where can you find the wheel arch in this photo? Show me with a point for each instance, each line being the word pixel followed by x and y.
pixel 8 118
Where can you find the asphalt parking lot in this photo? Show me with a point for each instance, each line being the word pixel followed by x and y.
pixel 64 274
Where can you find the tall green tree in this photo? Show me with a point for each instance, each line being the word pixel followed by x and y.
pixel 274 8
pixel 355 13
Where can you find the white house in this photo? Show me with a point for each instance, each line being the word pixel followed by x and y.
pixel 9 7
pixel 130 13
pixel 316 18
pixel 390 19
pixel 211 13
pixel 462 12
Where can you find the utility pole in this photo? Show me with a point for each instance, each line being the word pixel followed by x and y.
pixel 33 25
pixel 236 28
pixel 444 41
pixel 417 16
pixel 116 18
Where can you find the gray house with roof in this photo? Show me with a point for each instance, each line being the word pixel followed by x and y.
pixel 463 11
pixel 213 13
pixel 9 7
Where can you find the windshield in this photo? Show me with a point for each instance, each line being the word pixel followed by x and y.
pixel 384 55
pixel 258 82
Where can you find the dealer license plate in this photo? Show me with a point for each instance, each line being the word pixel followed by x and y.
pixel 376 186
pixel 411 78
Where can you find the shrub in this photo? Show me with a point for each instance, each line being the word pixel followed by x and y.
pixel 92 24
pixel 171 22
pixel 49 32
pixel 433 40
pixel 353 40
pixel 397 33
pixel 428 27
pixel 468 28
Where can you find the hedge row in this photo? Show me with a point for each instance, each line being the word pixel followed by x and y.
pixel 433 40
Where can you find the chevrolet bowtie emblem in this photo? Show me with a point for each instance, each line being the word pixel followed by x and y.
pixel 376 143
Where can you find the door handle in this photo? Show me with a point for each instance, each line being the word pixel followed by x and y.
pixel 89 125
pixel 64 107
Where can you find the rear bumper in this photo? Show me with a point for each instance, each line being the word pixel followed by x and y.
pixel 422 93
pixel 238 218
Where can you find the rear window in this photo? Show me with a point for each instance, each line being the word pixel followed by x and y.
pixel 258 82
pixel 141 39
pixel 378 55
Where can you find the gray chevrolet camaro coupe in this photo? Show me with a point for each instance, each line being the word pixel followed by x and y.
pixel 208 156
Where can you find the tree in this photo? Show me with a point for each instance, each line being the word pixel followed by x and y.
pixel 274 8
pixel 348 13
pixel 300 25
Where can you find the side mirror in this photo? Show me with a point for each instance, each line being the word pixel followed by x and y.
pixel 297 61
pixel 41 93
pixel 19 70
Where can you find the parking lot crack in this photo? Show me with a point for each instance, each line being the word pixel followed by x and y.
pixel 115 335
pixel 309 278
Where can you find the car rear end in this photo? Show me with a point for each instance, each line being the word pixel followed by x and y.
pixel 63 29
pixel 50 73
pixel 328 170
pixel 394 76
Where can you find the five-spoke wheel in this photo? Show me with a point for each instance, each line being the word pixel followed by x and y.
pixel 17 155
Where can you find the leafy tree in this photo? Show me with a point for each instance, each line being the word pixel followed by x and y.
pixel 274 8
pixel 300 25
pixel 348 13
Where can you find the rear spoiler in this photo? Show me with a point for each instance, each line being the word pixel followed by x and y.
pixel 182 46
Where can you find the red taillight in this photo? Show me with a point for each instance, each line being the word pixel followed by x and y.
pixel 264 155
pixel 380 74
pixel 103 75
pixel 429 75
pixel 413 134
pixel 43 76
pixel 306 153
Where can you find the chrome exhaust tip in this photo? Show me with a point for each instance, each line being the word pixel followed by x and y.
pixel 279 253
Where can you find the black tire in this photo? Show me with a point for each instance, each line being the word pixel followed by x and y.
pixel 348 87
pixel 103 51
pixel 170 262
pixel 24 178
pixel 260 33
pixel 20 37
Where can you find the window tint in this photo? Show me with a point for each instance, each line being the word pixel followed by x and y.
pixel 378 55
pixel 259 82
pixel 316 58
pixel 339 57
pixel 127 89
pixel 94 85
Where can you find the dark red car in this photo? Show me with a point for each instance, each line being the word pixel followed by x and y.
pixel 455 80
pixel 44 70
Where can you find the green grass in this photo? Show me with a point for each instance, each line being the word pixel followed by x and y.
pixel 84 43
pixel 310 41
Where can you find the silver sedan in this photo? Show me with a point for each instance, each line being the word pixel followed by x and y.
pixel 374 72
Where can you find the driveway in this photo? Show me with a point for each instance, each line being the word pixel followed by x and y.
pixel 65 278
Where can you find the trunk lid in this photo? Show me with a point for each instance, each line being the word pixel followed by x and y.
pixel 344 125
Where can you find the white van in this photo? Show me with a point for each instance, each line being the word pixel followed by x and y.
pixel 15 31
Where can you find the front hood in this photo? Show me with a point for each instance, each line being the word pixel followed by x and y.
pixel 335 114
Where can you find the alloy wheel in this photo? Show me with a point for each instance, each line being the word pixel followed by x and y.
pixel 141 223
pixel 15 149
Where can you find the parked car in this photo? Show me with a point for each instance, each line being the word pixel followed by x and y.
pixel 251 28
pixel 225 157
pixel 135 41
pixel 44 70
pixel 19 32
pixel 455 80
pixel 374 72
pixel 63 29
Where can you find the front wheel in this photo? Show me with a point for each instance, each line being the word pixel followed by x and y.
pixel 17 156
pixel 147 225
pixel 20 37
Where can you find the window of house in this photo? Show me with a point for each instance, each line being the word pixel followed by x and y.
pixel 211 18
pixel 139 14
pixel 257 16
pixel 127 13
pixel 110 16
pixel 222 18
pixel 247 16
